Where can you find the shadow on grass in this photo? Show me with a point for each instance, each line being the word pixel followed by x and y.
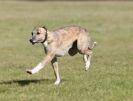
pixel 26 82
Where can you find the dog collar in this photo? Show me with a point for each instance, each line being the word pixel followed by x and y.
pixel 46 35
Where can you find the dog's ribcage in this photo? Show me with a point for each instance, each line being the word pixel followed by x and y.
pixel 63 50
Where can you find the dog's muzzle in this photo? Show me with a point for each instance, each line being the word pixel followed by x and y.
pixel 31 41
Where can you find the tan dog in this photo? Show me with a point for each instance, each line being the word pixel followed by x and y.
pixel 71 39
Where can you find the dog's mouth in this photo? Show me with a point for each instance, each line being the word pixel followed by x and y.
pixel 31 41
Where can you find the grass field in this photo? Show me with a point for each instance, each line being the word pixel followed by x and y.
pixel 110 77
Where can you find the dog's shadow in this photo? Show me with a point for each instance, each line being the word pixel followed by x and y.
pixel 26 82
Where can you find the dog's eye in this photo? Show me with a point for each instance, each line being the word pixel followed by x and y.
pixel 37 33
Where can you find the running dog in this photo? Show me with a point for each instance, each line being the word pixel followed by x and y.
pixel 70 39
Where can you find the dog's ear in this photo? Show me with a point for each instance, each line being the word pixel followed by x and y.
pixel 45 28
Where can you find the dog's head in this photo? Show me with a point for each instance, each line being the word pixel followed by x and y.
pixel 39 35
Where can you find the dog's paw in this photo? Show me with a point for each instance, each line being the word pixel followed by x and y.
pixel 57 82
pixel 29 71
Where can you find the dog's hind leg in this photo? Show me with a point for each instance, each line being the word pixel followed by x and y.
pixel 87 56
pixel 56 70
pixel 87 60
pixel 83 47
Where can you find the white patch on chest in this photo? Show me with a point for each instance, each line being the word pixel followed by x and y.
pixel 45 44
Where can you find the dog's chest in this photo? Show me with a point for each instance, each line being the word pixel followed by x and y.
pixel 60 51
pixel 45 44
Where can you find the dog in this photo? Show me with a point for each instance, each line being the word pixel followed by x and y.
pixel 69 39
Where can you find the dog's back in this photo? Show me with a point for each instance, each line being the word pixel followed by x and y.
pixel 67 36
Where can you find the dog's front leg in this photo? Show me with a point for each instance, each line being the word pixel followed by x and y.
pixel 42 64
pixel 56 70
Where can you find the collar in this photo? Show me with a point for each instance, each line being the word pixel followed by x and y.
pixel 46 35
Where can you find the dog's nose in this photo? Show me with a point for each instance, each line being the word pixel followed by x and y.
pixel 30 40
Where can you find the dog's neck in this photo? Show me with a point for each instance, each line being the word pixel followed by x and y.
pixel 50 37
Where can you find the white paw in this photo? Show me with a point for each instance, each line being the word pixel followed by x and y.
pixel 57 82
pixel 87 65
pixel 31 71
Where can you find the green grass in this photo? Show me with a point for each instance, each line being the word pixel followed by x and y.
pixel 110 77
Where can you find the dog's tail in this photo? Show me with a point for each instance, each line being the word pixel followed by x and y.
pixel 93 45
